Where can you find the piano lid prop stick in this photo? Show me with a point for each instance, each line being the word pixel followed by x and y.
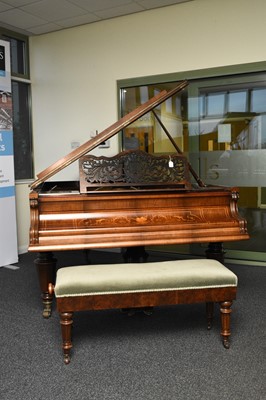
pixel 197 178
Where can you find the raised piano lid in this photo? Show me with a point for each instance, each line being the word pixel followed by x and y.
pixel 106 134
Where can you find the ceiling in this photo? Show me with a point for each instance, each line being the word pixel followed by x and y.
pixel 35 17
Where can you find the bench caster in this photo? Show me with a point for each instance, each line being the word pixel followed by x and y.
pixel 66 359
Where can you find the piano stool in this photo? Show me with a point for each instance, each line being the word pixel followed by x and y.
pixel 137 285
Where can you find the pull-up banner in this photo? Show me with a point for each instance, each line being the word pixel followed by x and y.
pixel 8 226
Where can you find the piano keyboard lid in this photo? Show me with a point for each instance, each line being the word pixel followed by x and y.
pixel 106 134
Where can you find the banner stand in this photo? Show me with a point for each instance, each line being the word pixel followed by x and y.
pixel 8 223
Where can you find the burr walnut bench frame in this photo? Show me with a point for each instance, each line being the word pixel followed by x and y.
pixel 112 286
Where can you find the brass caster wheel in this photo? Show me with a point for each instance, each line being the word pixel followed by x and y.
pixel 66 359
pixel 226 343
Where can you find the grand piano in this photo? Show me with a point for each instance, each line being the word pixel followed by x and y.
pixel 131 200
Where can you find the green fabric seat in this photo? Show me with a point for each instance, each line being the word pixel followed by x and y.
pixel 85 280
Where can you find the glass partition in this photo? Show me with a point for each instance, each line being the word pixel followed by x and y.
pixel 220 125
pixel 232 147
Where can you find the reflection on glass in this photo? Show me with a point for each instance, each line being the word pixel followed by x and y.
pixel 237 101
pixel 258 100
pixel 233 152
pixel 215 104
pixel 223 132
pixel 147 133
pixel 22 131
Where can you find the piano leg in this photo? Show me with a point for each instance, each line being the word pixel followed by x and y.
pixel 215 251
pixel 45 265
pixel 135 254
pixel 209 312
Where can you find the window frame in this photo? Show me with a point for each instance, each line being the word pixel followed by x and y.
pixel 4 34
pixel 25 79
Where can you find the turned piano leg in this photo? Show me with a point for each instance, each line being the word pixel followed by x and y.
pixel 215 251
pixel 225 310
pixel 46 264
pixel 135 254
pixel 66 322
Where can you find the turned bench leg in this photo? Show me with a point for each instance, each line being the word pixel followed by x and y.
pixel 225 310
pixel 66 322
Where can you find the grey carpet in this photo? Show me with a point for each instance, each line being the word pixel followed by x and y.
pixel 169 355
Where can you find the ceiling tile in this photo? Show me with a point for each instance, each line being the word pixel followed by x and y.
pixel 83 19
pixel 92 5
pixel 40 29
pixel 52 10
pixel 159 3
pixel 20 19
pixel 19 3
pixel 117 11
pixel 4 7
pixel 43 16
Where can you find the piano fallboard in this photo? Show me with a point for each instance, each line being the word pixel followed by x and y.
pixel 64 219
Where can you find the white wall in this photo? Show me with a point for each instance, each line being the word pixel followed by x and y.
pixel 23 216
pixel 74 71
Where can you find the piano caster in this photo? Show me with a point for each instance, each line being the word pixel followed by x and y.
pixel 209 312
pixel 47 310
pixel 226 343
pixel 132 311
pixel 148 310
pixel 47 300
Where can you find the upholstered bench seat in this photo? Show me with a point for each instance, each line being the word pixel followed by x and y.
pixel 106 279
pixel 96 287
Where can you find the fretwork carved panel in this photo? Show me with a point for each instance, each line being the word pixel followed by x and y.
pixel 133 168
